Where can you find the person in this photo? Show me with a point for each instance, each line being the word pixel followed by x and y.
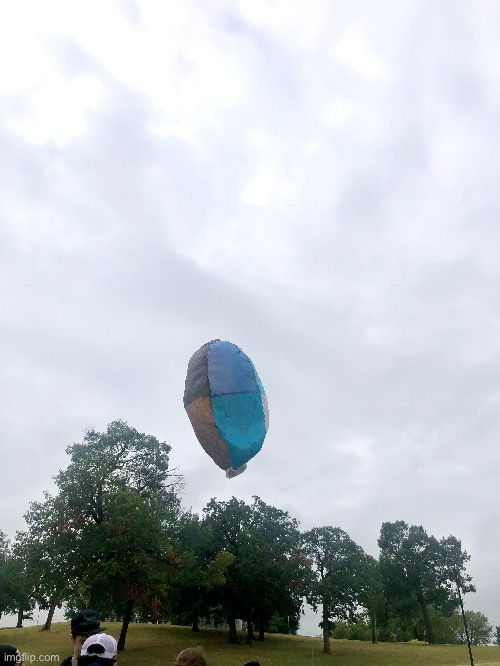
pixel 98 650
pixel 10 655
pixel 84 624
pixel 191 657
pixel 252 663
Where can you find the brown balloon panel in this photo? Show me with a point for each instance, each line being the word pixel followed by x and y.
pixel 203 421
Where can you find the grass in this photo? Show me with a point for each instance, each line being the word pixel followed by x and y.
pixel 157 645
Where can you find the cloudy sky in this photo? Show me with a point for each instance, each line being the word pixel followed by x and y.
pixel 314 181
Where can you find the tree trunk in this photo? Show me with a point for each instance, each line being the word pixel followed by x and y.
pixel 419 635
pixel 94 597
pixel 233 636
pixel 326 632
pixel 20 617
pixel 126 621
pixel 195 622
pixel 431 637
pixel 52 608
pixel 250 634
pixel 262 627
pixel 373 622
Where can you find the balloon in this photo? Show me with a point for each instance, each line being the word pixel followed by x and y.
pixel 226 404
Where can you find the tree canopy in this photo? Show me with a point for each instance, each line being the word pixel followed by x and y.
pixel 114 536
pixel 418 571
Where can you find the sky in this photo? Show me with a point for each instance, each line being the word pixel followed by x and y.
pixel 316 182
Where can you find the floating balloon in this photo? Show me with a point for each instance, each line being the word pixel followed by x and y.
pixel 226 404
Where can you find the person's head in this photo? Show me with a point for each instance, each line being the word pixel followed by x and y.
pixel 84 624
pixel 9 655
pixel 191 657
pixel 98 650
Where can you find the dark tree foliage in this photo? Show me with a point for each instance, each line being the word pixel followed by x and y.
pixel 200 575
pixel 49 554
pixel 373 598
pixel 270 568
pixel 15 586
pixel 341 576
pixel 104 540
pixel 227 521
pixel 265 575
pixel 419 572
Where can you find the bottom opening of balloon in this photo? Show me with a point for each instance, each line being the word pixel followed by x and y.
pixel 230 472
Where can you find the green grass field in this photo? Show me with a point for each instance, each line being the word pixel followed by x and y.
pixel 157 645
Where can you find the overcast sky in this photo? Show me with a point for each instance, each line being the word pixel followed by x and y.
pixel 315 181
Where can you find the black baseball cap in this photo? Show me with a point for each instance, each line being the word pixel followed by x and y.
pixel 86 623
pixel 9 655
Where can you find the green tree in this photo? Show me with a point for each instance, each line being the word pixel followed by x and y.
pixel 121 457
pixel 5 592
pixel 129 555
pixel 359 630
pixel 202 568
pixel 112 519
pixel 339 582
pixel 16 593
pixel 47 550
pixel 419 572
pixel 480 630
pixel 373 598
pixel 227 520
pixel 270 567
pixel 265 575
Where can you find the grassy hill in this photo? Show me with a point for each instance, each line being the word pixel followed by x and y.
pixel 157 645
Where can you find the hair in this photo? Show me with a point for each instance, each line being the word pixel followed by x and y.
pixel 191 657
pixel 93 657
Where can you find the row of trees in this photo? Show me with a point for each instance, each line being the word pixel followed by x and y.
pixel 115 537
pixel 448 629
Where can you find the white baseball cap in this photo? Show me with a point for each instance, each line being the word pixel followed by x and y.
pixel 107 646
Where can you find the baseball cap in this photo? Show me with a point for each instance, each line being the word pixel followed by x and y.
pixel 101 645
pixel 86 623
pixel 9 655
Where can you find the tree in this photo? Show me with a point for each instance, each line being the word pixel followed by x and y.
pixel 202 568
pixel 121 457
pixel 112 519
pixel 227 520
pixel 480 630
pixel 5 592
pixel 48 553
pixel 15 589
pixel 373 598
pixel 270 568
pixel 265 575
pixel 497 636
pixel 130 555
pixel 419 571
pixel 340 581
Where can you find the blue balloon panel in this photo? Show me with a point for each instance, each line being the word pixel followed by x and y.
pixel 230 370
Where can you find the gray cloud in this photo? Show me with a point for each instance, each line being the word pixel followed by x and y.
pixel 319 188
